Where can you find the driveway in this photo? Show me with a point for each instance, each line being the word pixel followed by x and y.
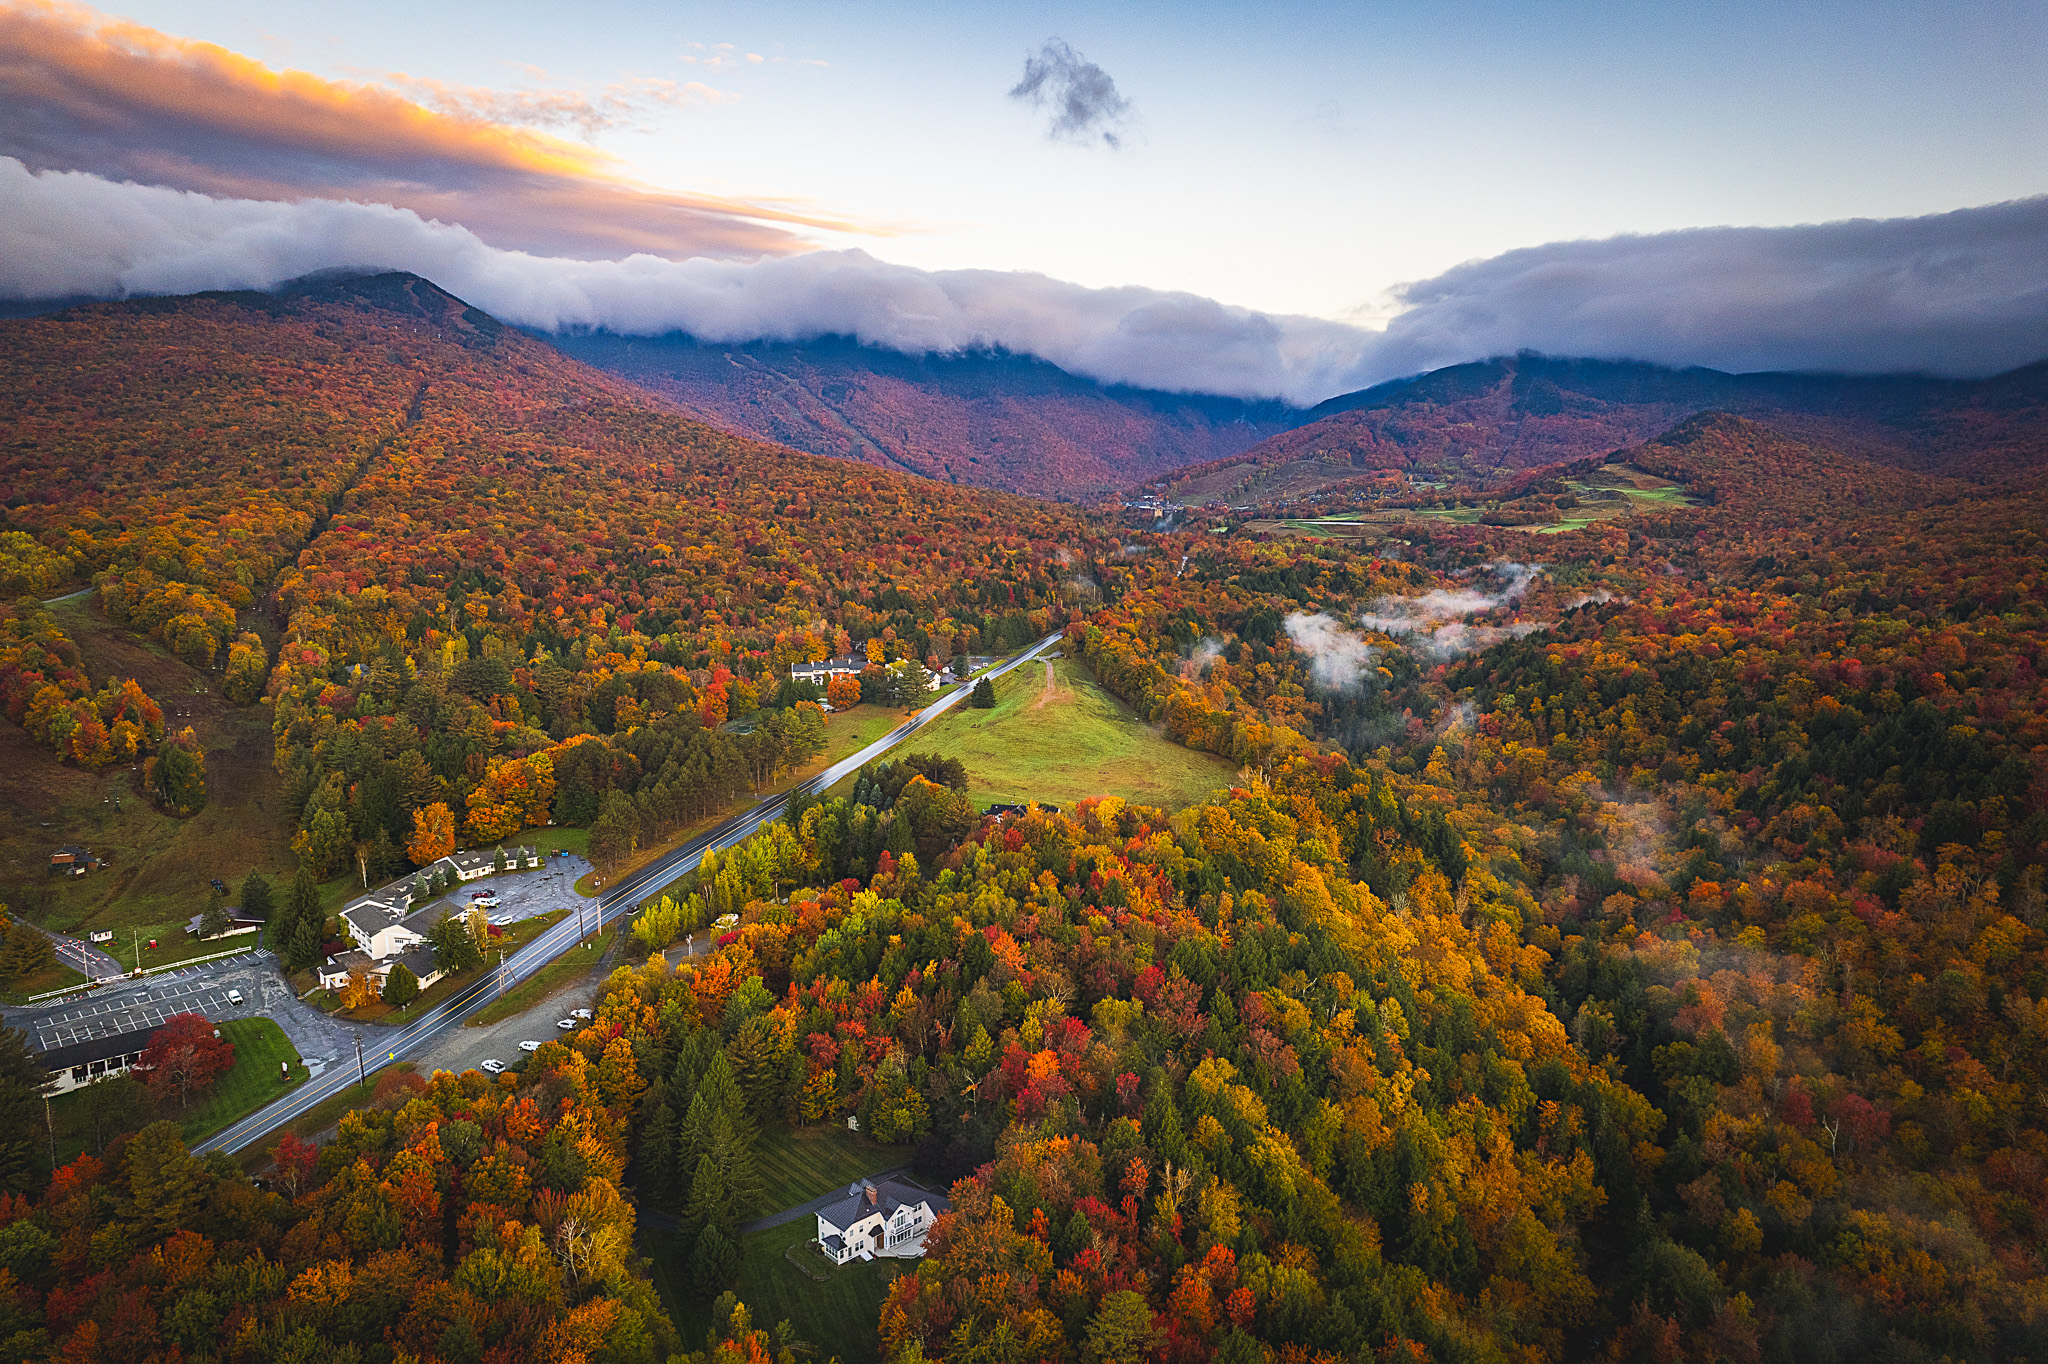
pixel 83 956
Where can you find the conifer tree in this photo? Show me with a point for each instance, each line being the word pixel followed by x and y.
pixel 257 899
pixel 305 945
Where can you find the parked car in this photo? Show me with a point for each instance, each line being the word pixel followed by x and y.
pixel 566 1024
pixel 529 1046
pixel 484 899
pixel 235 998
pixel 583 1014
pixel 492 1066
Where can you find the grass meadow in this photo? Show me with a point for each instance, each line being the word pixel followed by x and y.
pixel 1061 744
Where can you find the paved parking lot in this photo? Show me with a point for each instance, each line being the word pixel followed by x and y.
pixel 147 1003
pixel 204 988
pixel 524 894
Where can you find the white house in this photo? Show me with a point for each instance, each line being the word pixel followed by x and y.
pixel 824 671
pixel 889 1219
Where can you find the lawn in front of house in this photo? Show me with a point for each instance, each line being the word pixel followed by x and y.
pixel 799 1163
pixel 838 1317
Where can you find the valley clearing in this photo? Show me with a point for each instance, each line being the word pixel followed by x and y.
pixel 1065 739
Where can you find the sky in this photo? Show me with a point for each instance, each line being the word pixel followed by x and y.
pixel 1260 198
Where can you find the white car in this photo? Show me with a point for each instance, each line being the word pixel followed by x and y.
pixel 566 1024
pixel 484 899
pixel 529 1046
pixel 493 1066
pixel 583 1014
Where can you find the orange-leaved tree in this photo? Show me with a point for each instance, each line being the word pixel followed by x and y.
pixel 433 833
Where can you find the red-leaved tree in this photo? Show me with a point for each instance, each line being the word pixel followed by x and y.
pixel 184 1058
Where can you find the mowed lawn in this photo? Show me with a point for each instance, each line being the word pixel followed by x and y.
pixel 254 1080
pixel 799 1163
pixel 838 1317
pixel 1075 742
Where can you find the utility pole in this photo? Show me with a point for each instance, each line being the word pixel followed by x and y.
pixel 362 1075
pixel 51 1123
pixel 501 973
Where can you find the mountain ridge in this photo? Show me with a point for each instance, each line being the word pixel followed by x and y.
pixel 992 418
pixel 1476 422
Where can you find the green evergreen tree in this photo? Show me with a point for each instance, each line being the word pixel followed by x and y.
pixel 710 1202
pixel 24 1152
pixel 740 1177
pixel 658 1151
pixel 305 952
pixel 983 696
pixel 302 903
pixel 401 987
pixel 257 898
pixel 900 838
pixel 166 1183
pixel 28 950
pixel 214 921
pixel 714 1263
pixel 693 1141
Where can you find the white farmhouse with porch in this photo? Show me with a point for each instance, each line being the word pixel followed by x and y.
pixel 887 1219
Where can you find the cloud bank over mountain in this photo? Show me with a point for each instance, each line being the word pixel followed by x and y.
pixel 135 162
pixel 1962 293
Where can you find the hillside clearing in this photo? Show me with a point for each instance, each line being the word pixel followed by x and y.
pixel 1059 737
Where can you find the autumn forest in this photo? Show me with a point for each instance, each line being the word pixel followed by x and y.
pixel 1628 942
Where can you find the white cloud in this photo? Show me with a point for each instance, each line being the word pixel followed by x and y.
pixel 1962 293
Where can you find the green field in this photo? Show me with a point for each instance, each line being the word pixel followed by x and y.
pixel 56 976
pixel 252 1082
pixel 837 1317
pixel 1075 742
pixel 799 1163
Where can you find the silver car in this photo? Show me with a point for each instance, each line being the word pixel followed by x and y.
pixel 529 1046
pixel 565 1024
pixel 493 1066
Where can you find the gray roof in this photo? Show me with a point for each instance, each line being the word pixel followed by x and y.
pixel 869 1198
pixel 97 1049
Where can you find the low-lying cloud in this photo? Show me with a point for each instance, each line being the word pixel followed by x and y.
pixel 1435 623
pixel 1961 293
pixel 1338 658
pixel 1080 100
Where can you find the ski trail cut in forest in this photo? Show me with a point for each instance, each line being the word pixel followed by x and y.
pixel 413 411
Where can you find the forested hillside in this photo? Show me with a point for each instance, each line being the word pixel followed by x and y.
pixel 1480 422
pixel 990 420
pixel 1621 944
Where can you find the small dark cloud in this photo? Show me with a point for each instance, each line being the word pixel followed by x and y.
pixel 1080 97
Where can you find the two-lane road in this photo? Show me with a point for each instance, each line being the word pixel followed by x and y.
pixel 384 1046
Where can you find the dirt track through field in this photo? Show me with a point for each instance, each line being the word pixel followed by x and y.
pixel 1045 695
